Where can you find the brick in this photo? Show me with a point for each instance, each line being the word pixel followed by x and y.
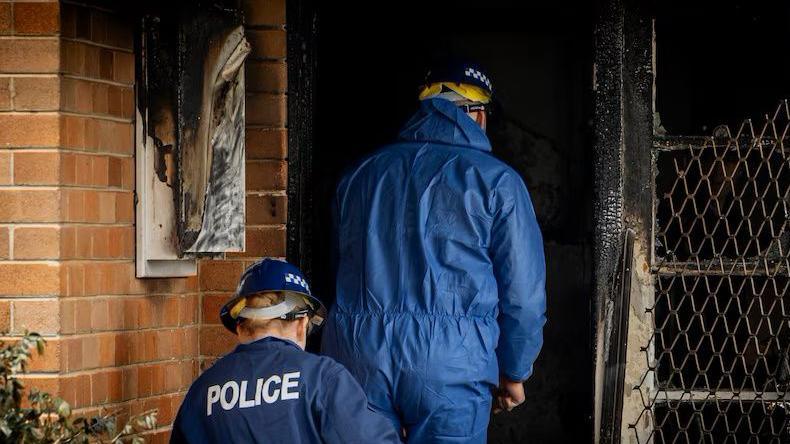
pixel 100 171
pixel 74 207
pixel 115 384
pixel 107 350
pixel 115 315
pixel 83 242
pixel 211 305
pixel 83 391
pixel 5 88
pixel 115 101
pixel 90 351
pixel 99 93
pixel 36 168
pixel 36 18
pixel 84 169
pixel 106 63
pixel 268 77
pixel 73 131
pixel 5 253
pixel 115 172
pixel 170 311
pixel 16 55
pixel 265 143
pixel 99 388
pixel 83 97
pixel 127 173
pixel 41 316
pixel 6 21
pixel 188 311
pixel 265 210
pixel 29 130
pixel 266 110
pixel 36 93
pixel 124 207
pixel 99 314
pixel 123 67
pixel 97 135
pixel 72 57
pixel 99 24
pixel 120 32
pixel 50 360
pixel 219 275
pixel 266 175
pixel 36 243
pixel 29 205
pixel 72 279
pixel 267 44
pixel 267 13
pixel 100 242
pixel 83 23
pixel 127 94
pixel 5 316
pixel 216 341
pixel 67 316
pixel 82 315
pixel 6 175
pixel 129 376
pixel 68 20
pixel 22 279
pixel 263 242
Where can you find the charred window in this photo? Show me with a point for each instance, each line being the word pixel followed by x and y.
pixel 190 136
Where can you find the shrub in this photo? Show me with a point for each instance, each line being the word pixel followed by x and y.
pixel 48 419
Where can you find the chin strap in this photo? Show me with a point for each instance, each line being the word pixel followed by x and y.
pixel 473 107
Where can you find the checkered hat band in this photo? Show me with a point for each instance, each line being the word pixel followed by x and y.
pixel 475 74
pixel 298 280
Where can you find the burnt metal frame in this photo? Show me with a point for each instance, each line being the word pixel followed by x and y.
pixel 302 35
pixel 623 189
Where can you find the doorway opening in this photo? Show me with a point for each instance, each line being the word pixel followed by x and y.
pixel 540 62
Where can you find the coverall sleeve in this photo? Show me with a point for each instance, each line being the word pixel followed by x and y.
pixel 520 270
pixel 345 415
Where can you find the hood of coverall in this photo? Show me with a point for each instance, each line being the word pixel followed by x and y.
pixel 440 121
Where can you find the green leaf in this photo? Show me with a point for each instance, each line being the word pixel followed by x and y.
pixel 63 409
pixel 4 428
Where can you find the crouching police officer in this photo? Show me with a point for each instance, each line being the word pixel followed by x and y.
pixel 269 389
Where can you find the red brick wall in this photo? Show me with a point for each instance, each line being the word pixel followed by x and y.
pixel 67 215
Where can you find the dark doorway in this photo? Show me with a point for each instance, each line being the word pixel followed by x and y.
pixel 540 60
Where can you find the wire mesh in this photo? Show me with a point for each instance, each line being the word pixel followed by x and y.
pixel 718 361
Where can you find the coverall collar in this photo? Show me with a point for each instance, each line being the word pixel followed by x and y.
pixel 264 342
pixel 440 121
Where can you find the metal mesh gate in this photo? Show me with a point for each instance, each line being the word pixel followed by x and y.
pixel 718 361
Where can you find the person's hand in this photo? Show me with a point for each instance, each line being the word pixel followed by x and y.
pixel 508 395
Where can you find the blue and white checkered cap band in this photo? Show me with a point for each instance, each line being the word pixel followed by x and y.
pixel 294 279
pixel 471 72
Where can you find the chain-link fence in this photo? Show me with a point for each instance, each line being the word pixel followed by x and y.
pixel 718 364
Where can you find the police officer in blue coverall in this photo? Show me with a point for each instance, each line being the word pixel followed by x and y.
pixel 440 294
pixel 269 390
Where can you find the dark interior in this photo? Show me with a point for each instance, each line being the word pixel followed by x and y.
pixel 540 61
pixel 719 63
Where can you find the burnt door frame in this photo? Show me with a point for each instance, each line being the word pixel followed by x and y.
pixel 623 126
pixel 302 61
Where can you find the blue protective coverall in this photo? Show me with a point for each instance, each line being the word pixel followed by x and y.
pixel 440 277
pixel 271 391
